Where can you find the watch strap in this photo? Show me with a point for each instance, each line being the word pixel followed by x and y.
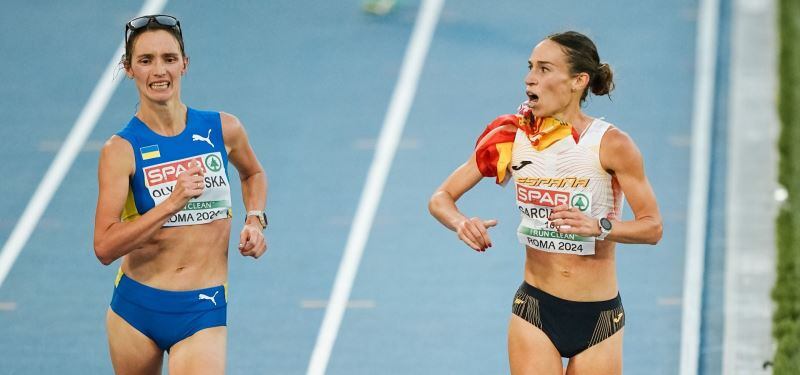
pixel 603 231
pixel 261 215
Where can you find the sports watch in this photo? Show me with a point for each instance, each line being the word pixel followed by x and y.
pixel 605 228
pixel 261 215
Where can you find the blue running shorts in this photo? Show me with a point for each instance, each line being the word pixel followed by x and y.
pixel 167 317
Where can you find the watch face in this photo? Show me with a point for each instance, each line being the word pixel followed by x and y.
pixel 605 224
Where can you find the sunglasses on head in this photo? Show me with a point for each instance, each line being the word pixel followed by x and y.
pixel 164 20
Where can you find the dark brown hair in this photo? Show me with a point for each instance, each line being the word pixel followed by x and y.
pixel 583 58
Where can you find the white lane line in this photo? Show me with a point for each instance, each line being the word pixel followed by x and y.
pixel 66 155
pixel 705 85
pixel 402 98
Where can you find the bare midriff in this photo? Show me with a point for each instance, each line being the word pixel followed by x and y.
pixel 574 277
pixel 182 258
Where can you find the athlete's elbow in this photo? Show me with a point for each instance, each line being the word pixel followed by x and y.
pixel 103 254
pixel 434 203
pixel 104 259
pixel 657 231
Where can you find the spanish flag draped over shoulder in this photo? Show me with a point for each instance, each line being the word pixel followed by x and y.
pixel 494 146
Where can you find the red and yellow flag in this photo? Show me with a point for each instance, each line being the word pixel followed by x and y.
pixel 494 146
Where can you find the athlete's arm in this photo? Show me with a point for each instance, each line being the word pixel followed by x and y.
pixel 620 155
pixel 113 238
pixel 254 183
pixel 442 206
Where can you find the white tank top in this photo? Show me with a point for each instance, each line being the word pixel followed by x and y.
pixel 566 172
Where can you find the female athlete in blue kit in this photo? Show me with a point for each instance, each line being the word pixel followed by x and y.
pixel 571 173
pixel 164 207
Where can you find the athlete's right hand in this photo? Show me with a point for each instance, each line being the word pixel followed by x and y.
pixel 189 185
pixel 473 232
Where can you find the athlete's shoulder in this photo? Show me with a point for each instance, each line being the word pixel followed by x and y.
pixel 617 149
pixel 493 147
pixel 117 152
pixel 232 129
pixel 502 129
pixel 616 139
pixel 229 119
pixel 231 125
pixel 116 144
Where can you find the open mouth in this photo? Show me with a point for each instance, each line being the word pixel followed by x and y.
pixel 159 85
pixel 532 98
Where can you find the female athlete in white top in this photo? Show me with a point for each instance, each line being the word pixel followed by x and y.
pixel 571 172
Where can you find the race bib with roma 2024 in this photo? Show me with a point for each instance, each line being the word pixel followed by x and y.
pixel 536 230
pixel 213 204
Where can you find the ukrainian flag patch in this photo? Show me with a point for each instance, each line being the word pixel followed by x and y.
pixel 150 152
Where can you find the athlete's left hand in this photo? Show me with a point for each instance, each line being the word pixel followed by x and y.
pixel 568 219
pixel 251 241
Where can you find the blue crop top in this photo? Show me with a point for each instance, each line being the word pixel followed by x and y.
pixel 160 159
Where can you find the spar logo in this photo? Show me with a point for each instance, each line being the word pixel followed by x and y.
pixel 541 197
pixel 168 172
pixel 580 201
pixel 213 162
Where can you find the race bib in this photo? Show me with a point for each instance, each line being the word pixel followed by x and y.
pixel 213 204
pixel 536 230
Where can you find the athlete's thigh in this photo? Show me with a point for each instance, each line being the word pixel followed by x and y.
pixel 604 358
pixel 131 351
pixel 530 351
pixel 201 353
